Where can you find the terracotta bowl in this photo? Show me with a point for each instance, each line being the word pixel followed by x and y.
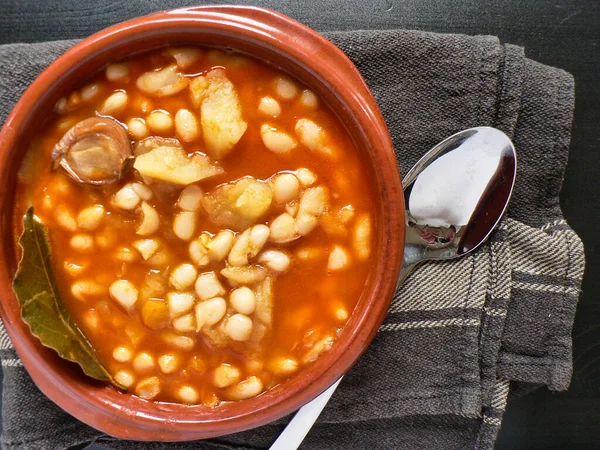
pixel 299 51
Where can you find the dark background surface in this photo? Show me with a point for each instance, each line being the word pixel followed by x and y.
pixel 561 33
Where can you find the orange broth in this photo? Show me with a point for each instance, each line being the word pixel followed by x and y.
pixel 310 302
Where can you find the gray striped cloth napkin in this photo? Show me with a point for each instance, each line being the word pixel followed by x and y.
pixel 459 335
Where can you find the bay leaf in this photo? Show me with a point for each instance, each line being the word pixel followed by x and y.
pixel 42 307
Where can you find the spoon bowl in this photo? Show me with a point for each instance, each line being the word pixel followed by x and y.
pixel 456 194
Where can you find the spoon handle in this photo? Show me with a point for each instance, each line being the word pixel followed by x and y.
pixel 303 421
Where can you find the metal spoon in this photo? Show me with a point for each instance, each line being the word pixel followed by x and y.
pixel 455 195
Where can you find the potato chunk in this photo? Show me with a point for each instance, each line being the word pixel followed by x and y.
pixel 238 204
pixel 173 165
pixel 221 112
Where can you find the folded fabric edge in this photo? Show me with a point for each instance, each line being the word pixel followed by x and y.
pixel 555 284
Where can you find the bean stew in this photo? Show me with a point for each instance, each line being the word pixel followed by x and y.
pixel 211 222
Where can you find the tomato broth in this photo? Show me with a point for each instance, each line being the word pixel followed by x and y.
pixel 211 222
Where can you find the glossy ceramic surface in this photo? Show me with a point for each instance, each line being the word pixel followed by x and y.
pixel 312 59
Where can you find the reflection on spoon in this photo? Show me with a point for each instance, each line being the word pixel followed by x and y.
pixel 448 190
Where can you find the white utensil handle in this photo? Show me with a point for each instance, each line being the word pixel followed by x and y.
pixel 305 418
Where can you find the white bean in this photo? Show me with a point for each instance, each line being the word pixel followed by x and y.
pixel 306 176
pixel 220 245
pixel 183 276
pixel 338 259
pixel 179 341
pixel 187 394
pixel 168 363
pixel 275 260
pixel 198 252
pixel 125 378
pixel 125 254
pixel 150 220
pixel 309 253
pixel 143 191
pixel 258 236
pixel 61 106
pixel 74 269
pixel 159 121
pixel 226 375
pixel 122 354
pixel 286 188
pixel 239 327
pixel 160 259
pixel 89 91
pixel 137 128
pixel 145 105
pixel 143 361
pixel 210 312
pixel 114 104
pixel 305 223
pixel 60 185
pixel 91 319
pixel 84 289
pixel 243 300
pixel 362 237
pixel 190 198
pixel 313 201
pixel 308 99
pixel 180 303
pixel 82 243
pixel 277 141
pixel 126 198
pixel 65 218
pixel 184 225
pixel 74 100
pixel 117 71
pixel 269 106
pixel 250 387
pixel 283 367
pixel 185 324
pixel 208 286
pixel 146 247
pixel 186 125
pixel 148 388
pixel 341 314
pixel 124 292
pixel 312 136
pixel 346 214
pixel 90 218
pixel 283 229
pixel 285 88
pixel 248 244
